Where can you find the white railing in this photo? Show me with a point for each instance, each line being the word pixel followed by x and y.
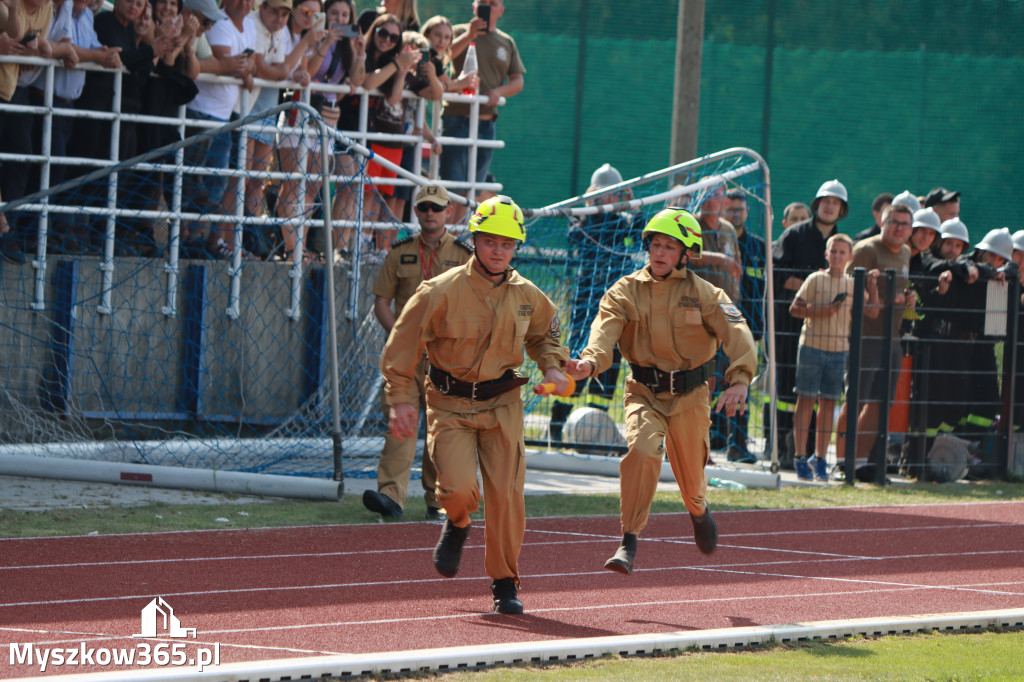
pixel 41 203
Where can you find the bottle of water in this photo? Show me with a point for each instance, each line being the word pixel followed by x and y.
pixel 726 484
pixel 468 68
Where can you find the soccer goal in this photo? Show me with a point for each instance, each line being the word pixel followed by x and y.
pixel 177 310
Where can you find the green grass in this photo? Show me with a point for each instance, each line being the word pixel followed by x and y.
pixel 165 517
pixel 983 656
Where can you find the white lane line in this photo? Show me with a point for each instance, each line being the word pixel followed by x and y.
pixel 724 568
pixel 590 539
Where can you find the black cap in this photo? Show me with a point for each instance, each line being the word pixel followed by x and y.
pixel 940 195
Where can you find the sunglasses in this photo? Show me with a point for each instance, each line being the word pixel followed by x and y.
pixel 387 35
pixel 427 206
pixel 306 11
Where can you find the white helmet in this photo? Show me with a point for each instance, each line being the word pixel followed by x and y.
pixel 605 176
pixel 909 200
pixel 954 229
pixel 927 217
pixel 1018 240
pixel 998 242
pixel 832 188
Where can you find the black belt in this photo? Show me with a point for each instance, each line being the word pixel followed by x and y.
pixel 475 390
pixel 677 382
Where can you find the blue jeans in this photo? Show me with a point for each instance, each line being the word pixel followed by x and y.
pixel 455 160
pixel 203 193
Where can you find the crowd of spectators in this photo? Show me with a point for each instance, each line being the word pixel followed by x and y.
pixel 927 313
pixel 164 46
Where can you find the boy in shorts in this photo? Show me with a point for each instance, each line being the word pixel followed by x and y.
pixel 824 301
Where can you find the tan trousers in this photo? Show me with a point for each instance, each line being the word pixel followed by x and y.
pixel 493 439
pixel 685 434
pixel 397 456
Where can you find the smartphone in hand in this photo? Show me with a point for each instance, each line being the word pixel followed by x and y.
pixel 29 37
pixel 484 12
pixel 346 30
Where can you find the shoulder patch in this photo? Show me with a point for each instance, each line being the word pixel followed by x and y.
pixel 408 258
pixel 400 242
pixel 731 312
pixel 464 244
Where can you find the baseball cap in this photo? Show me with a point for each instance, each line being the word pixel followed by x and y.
pixel 604 176
pixel 278 4
pixel 208 8
pixel 435 194
pixel 940 195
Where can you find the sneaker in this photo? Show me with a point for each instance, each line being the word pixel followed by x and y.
pixel 705 531
pixel 506 596
pixel 803 469
pixel 448 552
pixel 435 514
pixel 381 504
pixel 622 560
pixel 820 467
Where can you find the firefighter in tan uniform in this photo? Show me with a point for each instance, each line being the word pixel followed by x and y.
pixel 474 322
pixel 668 324
pixel 410 261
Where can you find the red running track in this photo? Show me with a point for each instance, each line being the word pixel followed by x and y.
pixel 289 592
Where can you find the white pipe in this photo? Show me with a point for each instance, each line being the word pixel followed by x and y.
pixel 148 475
pixel 601 465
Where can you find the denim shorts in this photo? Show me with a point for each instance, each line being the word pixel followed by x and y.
pixel 455 158
pixel 820 372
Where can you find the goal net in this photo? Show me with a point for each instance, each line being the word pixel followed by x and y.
pixel 176 308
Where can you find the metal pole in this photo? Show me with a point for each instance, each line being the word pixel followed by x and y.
pixel 1006 426
pixel 332 314
pixel 853 391
pixel 888 330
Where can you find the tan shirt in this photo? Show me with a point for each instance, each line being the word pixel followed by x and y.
pixel 722 239
pixel 830 333
pixel 38 23
pixel 497 58
pixel 410 259
pixel 872 254
pixel 472 329
pixel 674 324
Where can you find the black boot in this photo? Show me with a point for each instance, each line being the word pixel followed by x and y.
pixel 622 562
pixel 559 413
pixel 705 531
pixel 506 599
pixel 448 553
pixel 381 504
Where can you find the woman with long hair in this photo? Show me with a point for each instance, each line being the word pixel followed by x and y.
pixel 405 10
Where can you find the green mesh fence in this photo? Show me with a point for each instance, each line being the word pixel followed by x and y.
pixel 886 96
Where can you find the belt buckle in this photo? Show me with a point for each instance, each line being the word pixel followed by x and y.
pixel 472 394
pixel 672 382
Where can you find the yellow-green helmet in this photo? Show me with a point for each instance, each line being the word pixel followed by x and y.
pixel 677 223
pixel 501 216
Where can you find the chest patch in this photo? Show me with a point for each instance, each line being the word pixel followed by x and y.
pixel 502 54
pixel 408 258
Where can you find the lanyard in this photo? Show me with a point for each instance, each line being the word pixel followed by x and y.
pixel 426 268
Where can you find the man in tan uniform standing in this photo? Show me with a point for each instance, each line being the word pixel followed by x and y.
pixel 410 261
pixel 668 324
pixel 473 322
